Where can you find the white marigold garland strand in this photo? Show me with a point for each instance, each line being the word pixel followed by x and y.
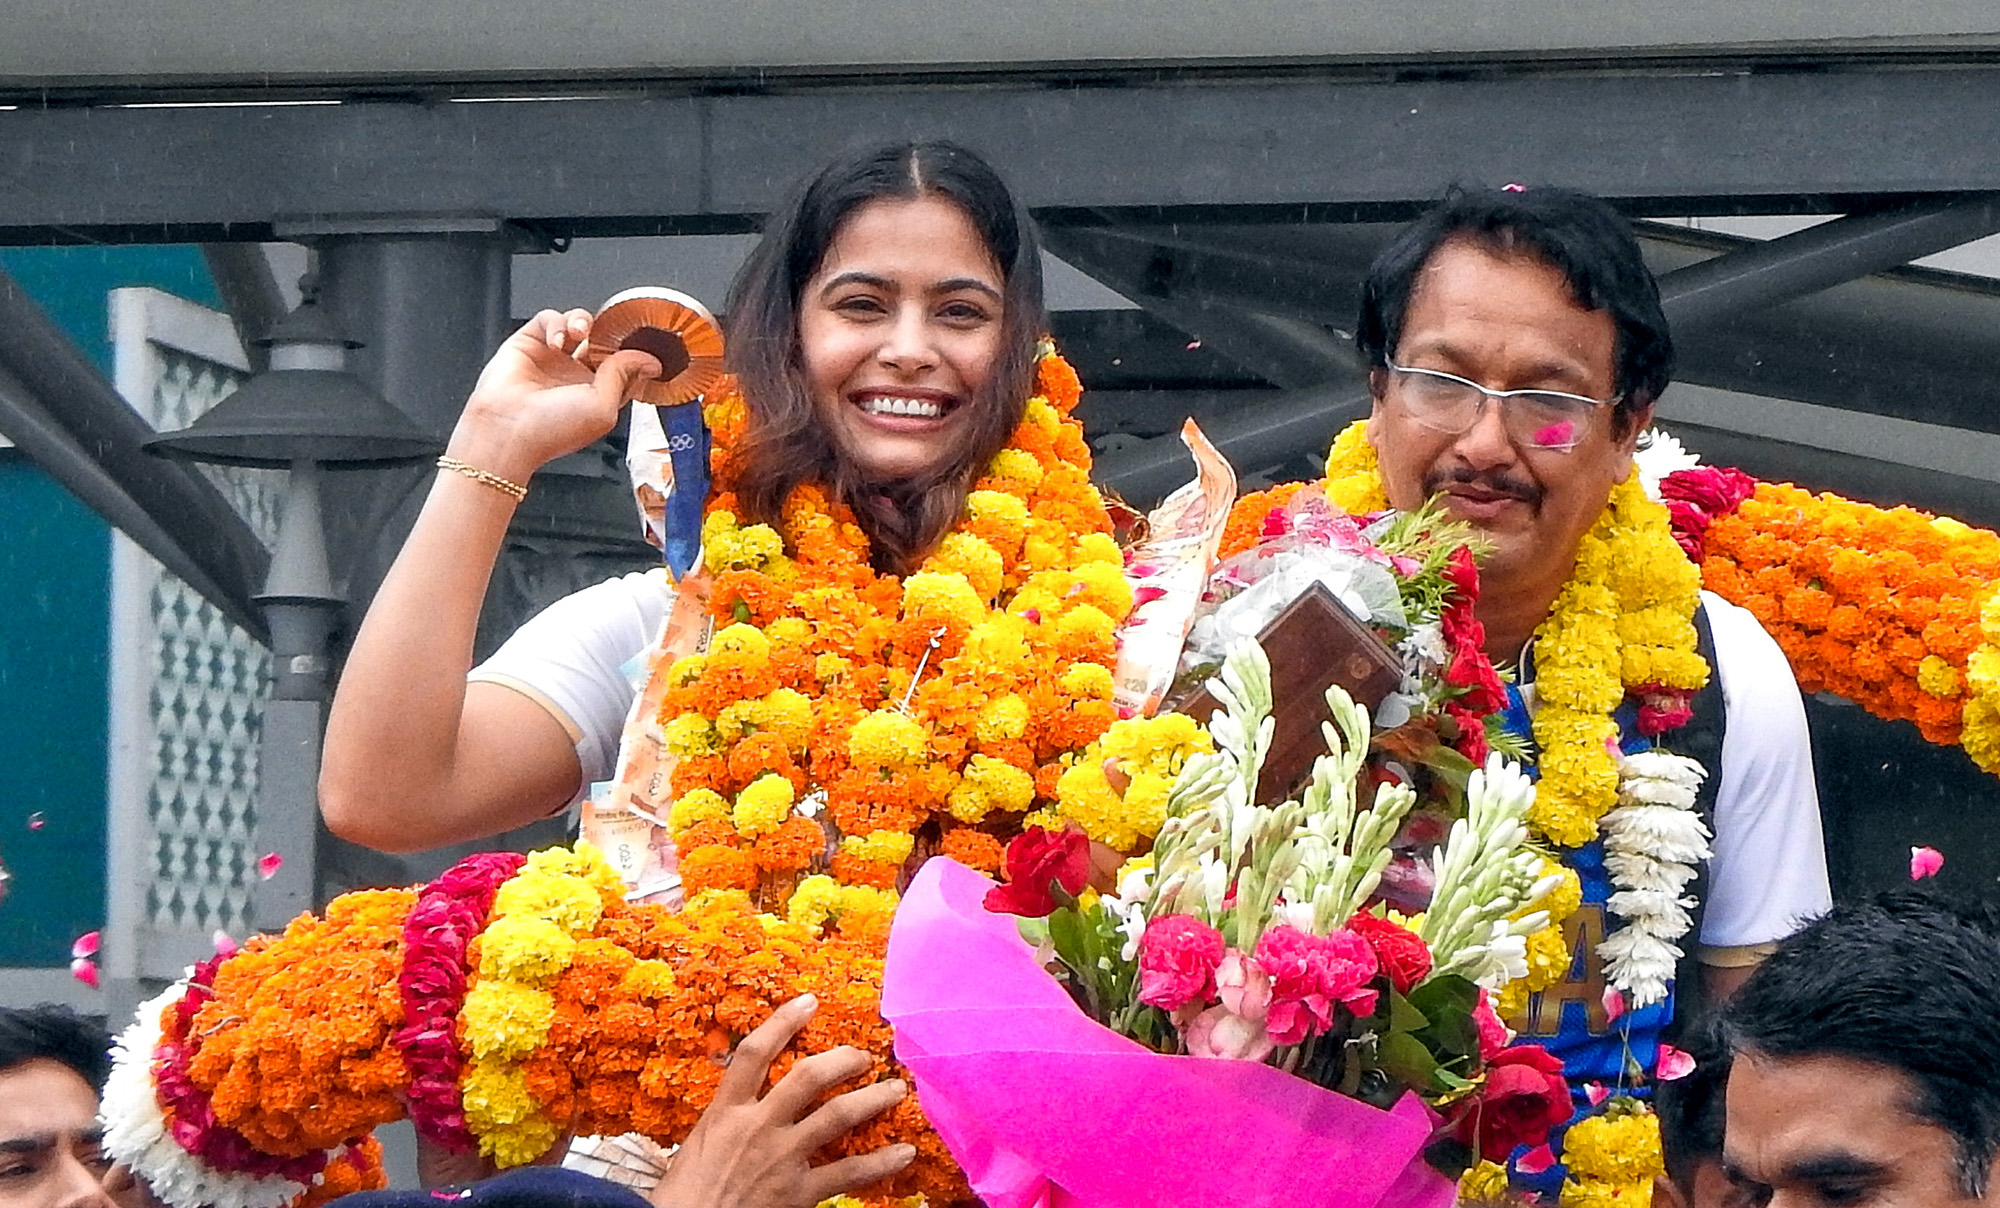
pixel 1654 843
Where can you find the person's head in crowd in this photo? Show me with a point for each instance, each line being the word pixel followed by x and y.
pixel 53 1063
pixel 1539 295
pixel 885 333
pixel 1866 1060
pixel 1690 1110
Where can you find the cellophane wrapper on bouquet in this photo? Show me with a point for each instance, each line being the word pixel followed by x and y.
pixel 1247 1012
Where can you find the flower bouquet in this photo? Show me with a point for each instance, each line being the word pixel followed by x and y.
pixel 1242 993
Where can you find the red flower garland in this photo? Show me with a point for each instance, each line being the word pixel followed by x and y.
pixel 448 916
pixel 1470 669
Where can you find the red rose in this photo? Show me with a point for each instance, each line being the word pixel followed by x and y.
pixel 1404 957
pixel 1523 1097
pixel 1036 860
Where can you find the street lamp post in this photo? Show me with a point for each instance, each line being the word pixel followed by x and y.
pixel 304 413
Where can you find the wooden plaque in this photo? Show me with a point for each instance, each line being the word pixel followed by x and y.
pixel 1312 645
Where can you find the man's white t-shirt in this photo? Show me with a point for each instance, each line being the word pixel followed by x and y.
pixel 580 658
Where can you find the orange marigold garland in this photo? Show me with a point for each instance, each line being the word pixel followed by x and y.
pixel 868 707
pixel 1893 608
pixel 588 1012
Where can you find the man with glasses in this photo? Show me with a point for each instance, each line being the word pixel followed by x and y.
pixel 1516 346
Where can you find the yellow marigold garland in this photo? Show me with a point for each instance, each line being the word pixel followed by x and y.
pixel 530 939
pixel 1147 753
pixel 1613 1158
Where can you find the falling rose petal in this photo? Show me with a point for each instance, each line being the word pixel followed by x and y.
pixel 36 821
pixel 1513 187
pixel 1536 1160
pixel 224 946
pixel 1596 1092
pixel 1925 862
pixel 1193 344
pixel 1614 1004
pixel 268 866
pixel 1142 596
pixel 1556 435
pixel 84 970
pixel 86 944
pixel 1674 1064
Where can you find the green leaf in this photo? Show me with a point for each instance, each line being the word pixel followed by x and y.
pixel 1404 1058
pixel 1403 1017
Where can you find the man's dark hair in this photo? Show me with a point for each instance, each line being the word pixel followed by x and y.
pixel 1580 236
pixel 1690 1108
pixel 56 1034
pixel 1910 981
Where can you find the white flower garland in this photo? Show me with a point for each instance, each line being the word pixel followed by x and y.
pixel 1654 843
pixel 136 1133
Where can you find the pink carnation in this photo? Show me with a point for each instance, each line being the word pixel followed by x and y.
pixel 1178 955
pixel 1313 974
pixel 1493 1035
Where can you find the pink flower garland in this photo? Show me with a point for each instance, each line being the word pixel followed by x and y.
pixel 190 1113
pixel 448 916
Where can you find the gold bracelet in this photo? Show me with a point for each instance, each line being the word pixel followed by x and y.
pixel 507 487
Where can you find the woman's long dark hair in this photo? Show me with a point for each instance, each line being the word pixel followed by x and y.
pixel 785 444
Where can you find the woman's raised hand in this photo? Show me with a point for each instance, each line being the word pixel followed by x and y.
pixel 747 1152
pixel 535 401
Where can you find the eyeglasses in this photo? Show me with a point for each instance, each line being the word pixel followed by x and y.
pixel 1550 420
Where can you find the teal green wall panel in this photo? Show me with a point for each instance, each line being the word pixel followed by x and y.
pixel 55 580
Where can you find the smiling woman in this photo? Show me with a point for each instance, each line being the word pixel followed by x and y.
pixel 884 333
pixel 885 342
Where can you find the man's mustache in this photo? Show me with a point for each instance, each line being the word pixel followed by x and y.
pixel 1500 483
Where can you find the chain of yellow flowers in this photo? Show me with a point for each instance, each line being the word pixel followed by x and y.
pixel 537 917
pixel 1981 726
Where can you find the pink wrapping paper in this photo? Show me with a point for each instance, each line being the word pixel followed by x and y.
pixel 1043 1106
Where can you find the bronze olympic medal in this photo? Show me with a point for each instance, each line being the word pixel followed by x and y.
pixel 674 328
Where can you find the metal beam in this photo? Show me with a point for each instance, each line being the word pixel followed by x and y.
pixel 1808 261
pixel 1270 146
pixel 250 294
pixel 57 406
pixel 1268 432
pixel 1291 352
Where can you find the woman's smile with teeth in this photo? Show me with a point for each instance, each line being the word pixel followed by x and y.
pixel 918 407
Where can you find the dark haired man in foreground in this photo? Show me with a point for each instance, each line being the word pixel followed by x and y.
pixel 1865 1064
pixel 52 1065
pixel 1691 1113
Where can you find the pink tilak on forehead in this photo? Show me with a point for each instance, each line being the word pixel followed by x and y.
pixel 1563 432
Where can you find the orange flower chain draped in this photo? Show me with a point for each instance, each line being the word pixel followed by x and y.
pixel 1895 609
pixel 612 1017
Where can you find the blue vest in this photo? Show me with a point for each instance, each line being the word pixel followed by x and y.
pixel 1569 1019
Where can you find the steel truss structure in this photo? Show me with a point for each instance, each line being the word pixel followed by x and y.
pixel 1238 208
